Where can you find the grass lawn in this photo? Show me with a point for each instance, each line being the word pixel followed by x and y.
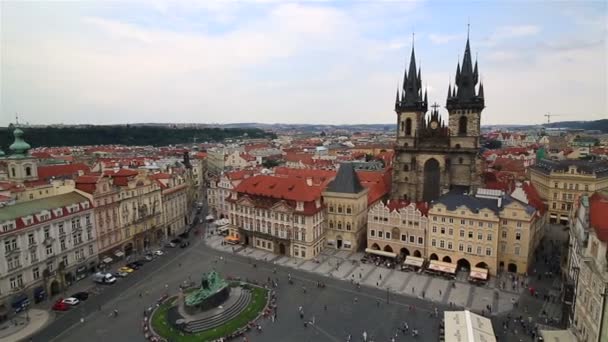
pixel 166 330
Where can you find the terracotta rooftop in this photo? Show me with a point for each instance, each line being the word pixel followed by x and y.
pixel 61 170
pixel 290 188
pixel 598 215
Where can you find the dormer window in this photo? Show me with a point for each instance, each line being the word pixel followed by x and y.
pixel 299 206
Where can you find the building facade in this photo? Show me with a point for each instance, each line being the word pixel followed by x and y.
pixel 106 202
pixel 140 210
pixel 175 212
pixel 398 227
pixel 560 182
pixel 587 269
pixel 488 230
pixel 283 215
pixel 346 201
pixel 430 157
pixel 47 244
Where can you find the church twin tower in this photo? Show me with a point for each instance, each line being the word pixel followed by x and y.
pixel 430 157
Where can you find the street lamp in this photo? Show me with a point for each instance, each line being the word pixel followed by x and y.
pixel 576 270
pixel 387 293
pixel 604 295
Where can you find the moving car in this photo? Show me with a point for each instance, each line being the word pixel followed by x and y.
pixel 149 257
pixel 159 253
pixel 71 301
pixel 81 295
pixel 61 306
pixel 125 269
pixel 170 245
pixel 103 278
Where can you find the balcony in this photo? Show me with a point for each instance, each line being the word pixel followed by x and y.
pixel 12 251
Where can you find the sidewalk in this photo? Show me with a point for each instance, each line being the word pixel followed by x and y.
pixel 24 328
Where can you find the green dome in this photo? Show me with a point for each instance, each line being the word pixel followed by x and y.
pixel 19 146
pixel 2 154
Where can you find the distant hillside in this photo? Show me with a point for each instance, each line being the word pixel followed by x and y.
pixel 125 135
pixel 601 125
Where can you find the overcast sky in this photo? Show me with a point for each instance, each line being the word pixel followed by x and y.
pixel 293 62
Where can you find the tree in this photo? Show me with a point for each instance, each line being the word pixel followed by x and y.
pixel 270 163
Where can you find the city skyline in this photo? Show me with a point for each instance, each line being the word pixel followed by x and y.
pixel 308 62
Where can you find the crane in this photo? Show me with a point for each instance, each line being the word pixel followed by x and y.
pixel 549 115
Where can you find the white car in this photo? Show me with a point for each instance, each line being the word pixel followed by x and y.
pixel 158 252
pixel 71 301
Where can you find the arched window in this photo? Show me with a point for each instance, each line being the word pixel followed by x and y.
pixel 408 126
pixel 459 160
pixel 28 171
pixel 406 167
pixel 402 126
pixel 462 125
pixel 13 172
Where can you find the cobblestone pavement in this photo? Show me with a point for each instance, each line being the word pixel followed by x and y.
pixel 347 266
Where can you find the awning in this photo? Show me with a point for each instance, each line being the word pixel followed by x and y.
pixel 107 260
pixel 382 253
pixel 479 273
pixel 231 238
pixel 440 266
pixel 119 254
pixel 413 261
pixel 209 217
pixel 553 215
pixel 222 229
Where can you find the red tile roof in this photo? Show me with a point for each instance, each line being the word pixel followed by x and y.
pixel 87 183
pixel 160 175
pixel 534 198
pixel 238 175
pixel 61 171
pixel 598 215
pixel 287 188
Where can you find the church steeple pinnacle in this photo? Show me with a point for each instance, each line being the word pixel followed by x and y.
pixel 411 95
pixel 467 77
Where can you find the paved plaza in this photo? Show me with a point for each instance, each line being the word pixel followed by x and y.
pixel 347 266
pixel 338 310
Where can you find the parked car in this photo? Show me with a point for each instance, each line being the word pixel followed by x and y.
pixel 159 253
pixel 149 257
pixel 71 301
pixel 81 295
pixel 170 245
pixel 184 244
pixel 177 241
pixel 61 306
pixel 139 262
pixel 133 265
pixel 120 274
pixel 125 269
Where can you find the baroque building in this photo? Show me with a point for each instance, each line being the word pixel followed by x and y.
pixel 430 157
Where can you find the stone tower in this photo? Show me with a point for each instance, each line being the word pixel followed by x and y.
pixel 431 158
pixel 21 165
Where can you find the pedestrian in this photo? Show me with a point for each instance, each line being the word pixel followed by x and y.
pixel 356 300
pixel 377 303
pixel 440 292
pixel 325 307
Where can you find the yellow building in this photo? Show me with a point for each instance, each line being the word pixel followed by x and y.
pixel 140 210
pixel 560 182
pixel 346 201
pixel 175 202
pixel 489 230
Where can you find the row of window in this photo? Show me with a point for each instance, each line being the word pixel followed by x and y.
pixel 387 235
pixel 571 186
pixel 404 222
pixel 461 247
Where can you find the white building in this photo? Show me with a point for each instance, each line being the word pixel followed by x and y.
pixel 47 243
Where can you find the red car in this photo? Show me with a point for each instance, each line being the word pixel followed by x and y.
pixel 61 306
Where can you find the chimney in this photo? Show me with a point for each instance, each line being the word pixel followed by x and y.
pixel 309 181
pixel 500 201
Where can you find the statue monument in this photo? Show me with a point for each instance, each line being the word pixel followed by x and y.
pixel 212 293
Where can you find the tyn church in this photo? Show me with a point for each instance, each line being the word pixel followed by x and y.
pixel 430 157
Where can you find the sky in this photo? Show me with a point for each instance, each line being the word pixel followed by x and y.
pixel 332 62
